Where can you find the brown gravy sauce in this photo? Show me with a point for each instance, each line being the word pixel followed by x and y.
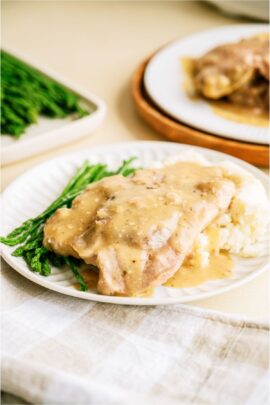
pixel 139 231
pixel 219 266
pixel 225 109
pixel 237 113
pixel 122 232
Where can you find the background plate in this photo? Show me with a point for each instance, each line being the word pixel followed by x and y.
pixel 31 193
pixel 164 78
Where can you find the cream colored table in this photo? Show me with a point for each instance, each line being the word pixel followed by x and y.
pixel 99 45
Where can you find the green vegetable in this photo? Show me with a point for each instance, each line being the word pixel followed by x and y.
pixel 26 93
pixel 29 235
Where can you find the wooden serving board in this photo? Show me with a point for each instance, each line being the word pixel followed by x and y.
pixel 256 154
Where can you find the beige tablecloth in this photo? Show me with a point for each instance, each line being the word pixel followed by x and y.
pixel 62 350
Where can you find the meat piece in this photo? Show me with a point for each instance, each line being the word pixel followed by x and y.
pixel 66 224
pixel 254 94
pixel 225 69
pixel 139 230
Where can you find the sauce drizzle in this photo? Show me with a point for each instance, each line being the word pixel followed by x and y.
pixel 219 266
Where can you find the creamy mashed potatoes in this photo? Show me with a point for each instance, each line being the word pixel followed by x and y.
pixel 245 223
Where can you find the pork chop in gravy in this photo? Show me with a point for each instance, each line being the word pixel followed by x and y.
pixel 238 70
pixel 139 230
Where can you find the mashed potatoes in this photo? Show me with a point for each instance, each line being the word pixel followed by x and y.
pixel 241 229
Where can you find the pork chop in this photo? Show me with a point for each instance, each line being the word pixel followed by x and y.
pixel 139 230
pixel 226 68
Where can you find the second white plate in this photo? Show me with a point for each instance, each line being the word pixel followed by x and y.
pixel 42 184
pixel 164 78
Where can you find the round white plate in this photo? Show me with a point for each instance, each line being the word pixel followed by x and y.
pixel 32 192
pixel 163 80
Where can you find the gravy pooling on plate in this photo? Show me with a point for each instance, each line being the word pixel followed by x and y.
pixel 190 275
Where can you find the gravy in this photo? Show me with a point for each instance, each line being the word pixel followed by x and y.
pixel 139 230
pixel 219 266
pixel 241 114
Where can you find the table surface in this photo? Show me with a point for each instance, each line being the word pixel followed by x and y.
pixel 99 45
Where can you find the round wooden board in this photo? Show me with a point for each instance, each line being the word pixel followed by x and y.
pixel 179 132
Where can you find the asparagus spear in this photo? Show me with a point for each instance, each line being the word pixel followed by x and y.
pixel 26 93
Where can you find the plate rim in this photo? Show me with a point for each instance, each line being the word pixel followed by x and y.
pixel 182 118
pixel 41 280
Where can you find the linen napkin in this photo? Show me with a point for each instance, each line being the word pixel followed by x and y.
pixel 62 350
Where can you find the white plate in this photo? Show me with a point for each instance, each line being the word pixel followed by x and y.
pixel 252 9
pixel 31 193
pixel 164 78
pixel 50 133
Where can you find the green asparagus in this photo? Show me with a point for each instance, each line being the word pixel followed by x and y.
pixel 26 93
pixel 29 235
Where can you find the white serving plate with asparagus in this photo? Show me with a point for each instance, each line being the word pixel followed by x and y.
pixel 49 133
pixel 44 184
